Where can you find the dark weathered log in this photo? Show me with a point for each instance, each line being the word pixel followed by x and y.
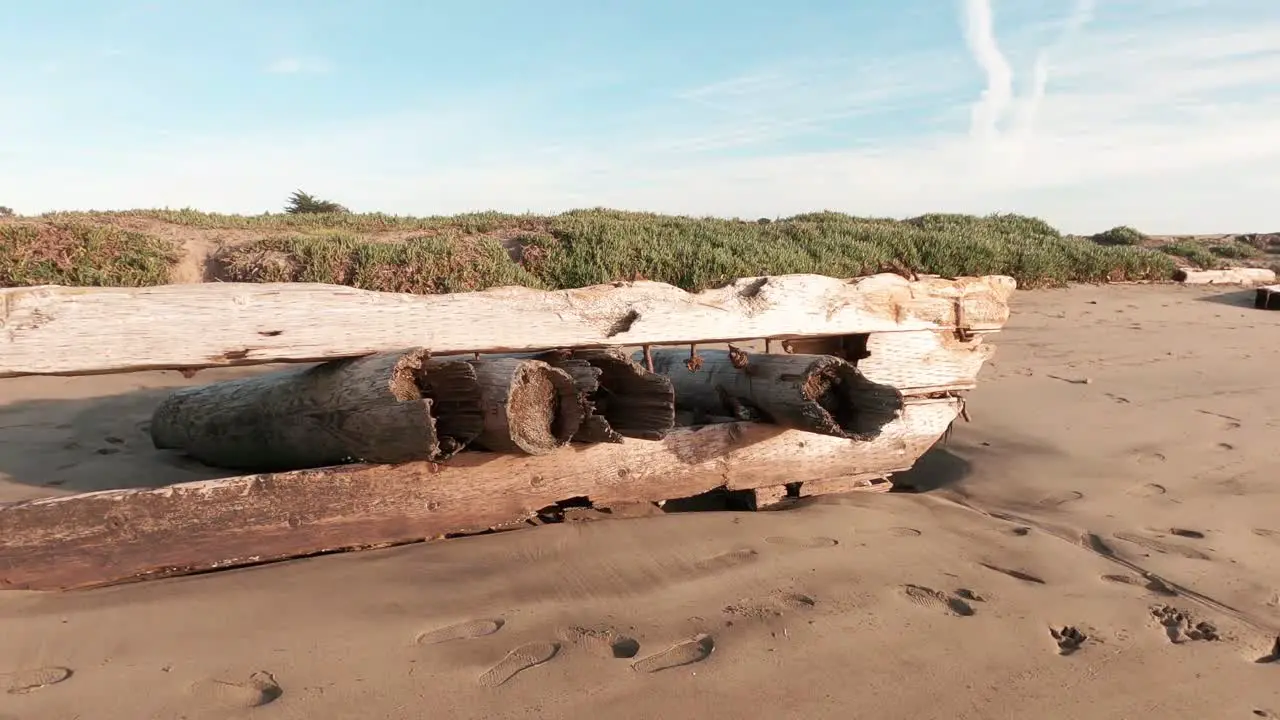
pixel 528 406
pixel 371 409
pixel 815 393
pixel 637 403
pixel 110 536
pixel 1268 298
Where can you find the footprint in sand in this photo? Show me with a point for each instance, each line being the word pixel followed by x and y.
pixel 260 689
pixel 775 605
pixel 696 649
pixel 904 532
pixel 927 597
pixel 1147 490
pixel 1179 623
pixel 807 543
pixel 461 631
pixel 601 642
pixel 1152 584
pixel 1069 639
pixel 1153 458
pixel 1156 545
pixel 25 681
pixel 518 660
pixel 1059 499
pixel 727 560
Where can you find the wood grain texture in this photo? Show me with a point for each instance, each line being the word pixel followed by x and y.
pixel 54 330
pixel 117 535
pixel 924 361
pixel 916 362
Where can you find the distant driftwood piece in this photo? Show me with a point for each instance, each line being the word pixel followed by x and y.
pixel 1229 276
pixel 371 409
pixel 1268 298
pixel 915 362
pixel 528 406
pixel 53 330
pixel 621 398
pixel 814 393
pixel 115 535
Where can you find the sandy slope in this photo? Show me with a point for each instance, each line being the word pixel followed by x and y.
pixel 824 611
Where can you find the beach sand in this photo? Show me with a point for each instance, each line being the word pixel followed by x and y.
pixel 1119 431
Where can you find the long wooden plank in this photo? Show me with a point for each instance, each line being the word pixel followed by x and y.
pixel 115 535
pixel 1230 276
pixel 54 330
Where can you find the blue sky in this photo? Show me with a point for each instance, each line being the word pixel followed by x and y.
pixel 1164 114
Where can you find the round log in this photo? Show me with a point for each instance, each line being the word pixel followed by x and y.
pixel 816 393
pixel 528 406
pixel 370 409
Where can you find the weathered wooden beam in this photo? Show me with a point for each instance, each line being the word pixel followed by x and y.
pixel 52 330
pixel 1228 276
pixel 117 535
pixel 916 362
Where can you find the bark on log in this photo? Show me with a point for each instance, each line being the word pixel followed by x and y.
pixel 814 393
pixel 1229 276
pixel 916 362
pixel 116 535
pixel 371 409
pixel 528 406
pixel 54 330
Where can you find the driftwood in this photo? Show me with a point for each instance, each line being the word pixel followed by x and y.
pixel 53 330
pixel 815 393
pixel 621 397
pixel 528 406
pixel 1268 298
pixel 371 409
pixel 103 537
pixel 915 362
pixel 1229 276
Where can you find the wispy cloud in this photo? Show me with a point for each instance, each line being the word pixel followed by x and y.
pixel 1024 124
pixel 980 36
pixel 299 65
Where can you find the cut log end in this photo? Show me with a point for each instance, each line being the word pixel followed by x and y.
pixel 529 406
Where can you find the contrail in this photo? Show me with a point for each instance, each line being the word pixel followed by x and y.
pixel 1080 16
pixel 979 34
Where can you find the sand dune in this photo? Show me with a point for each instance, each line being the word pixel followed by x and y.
pixel 1099 543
